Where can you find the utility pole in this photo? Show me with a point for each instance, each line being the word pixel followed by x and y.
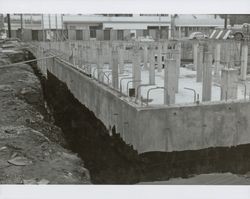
pixel 225 21
pixel 43 28
pixel 9 26
pixel 49 28
pixel 21 18
pixel 159 26
pixel 172 26
pixel 31 21
pixel 56 28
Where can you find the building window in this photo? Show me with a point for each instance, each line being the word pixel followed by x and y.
pixel 92 33
pixel 145 33
pixel 79 35
pixel 120 35
pixel 72 27
pixel 107 35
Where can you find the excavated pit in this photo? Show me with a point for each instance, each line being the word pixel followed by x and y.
pixel 111 161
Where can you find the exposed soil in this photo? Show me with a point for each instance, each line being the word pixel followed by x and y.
pixel 31 149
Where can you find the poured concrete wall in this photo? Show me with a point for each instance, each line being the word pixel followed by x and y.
pixel 195 127
pixel 174 128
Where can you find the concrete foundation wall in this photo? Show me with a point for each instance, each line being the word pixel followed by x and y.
pixel 159 129
pixel 167 128
pixel 195 127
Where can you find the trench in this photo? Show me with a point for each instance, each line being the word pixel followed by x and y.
pixel 111 161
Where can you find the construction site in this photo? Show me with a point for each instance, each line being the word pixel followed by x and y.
pixel 148 99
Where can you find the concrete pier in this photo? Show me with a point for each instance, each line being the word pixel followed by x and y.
pixel 207 77
pixel 145 57
pixel 229 78
pixel 99 64
pixel 81 55
pixel 195 54
pixel 217 60
pixel 109 53
pixel 244 60
pixel 177 58
pixel 115 75
pixel 136 71
pixel 121 58
pixel 229 58
pixel 169 81
pixel 199 72
pixel 88 59
pixel 152 66
pixel 159 58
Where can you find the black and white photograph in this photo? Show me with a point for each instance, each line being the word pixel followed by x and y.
pixel 135 98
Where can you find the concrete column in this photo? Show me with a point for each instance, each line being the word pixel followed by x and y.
pixel 80 49
pixel 217 60
pixel 76 54
pixel 244 60
pixel 109 53
pixel 229 87
pixel 179 32
pixel 76 49
pixel 99 64
pixel 237 54
pixel 136 71
pixel 84 54
pixel 159 58
pixel 207 77
pixel 72 56
pixel 165 52
pixel 88 59
pixel 195 54
pixel 93 52
pixel 121 59
pixel 169 81
pixel 152 66
pixel 177 58
pixel 93 55
pixel 145 57
pixel 229 58
pixel 114 64
pixel 199 72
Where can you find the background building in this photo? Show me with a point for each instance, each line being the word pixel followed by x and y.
pixel 109 26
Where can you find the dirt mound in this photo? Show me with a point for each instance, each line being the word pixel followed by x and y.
pixel 30 144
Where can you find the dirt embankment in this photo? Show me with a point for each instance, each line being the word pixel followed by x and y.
pixel 31 149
